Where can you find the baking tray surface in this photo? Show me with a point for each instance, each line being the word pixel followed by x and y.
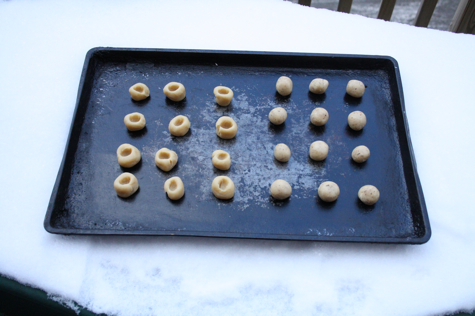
pixel 83 200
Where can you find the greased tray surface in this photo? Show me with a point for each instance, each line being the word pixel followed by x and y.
pixel 83 200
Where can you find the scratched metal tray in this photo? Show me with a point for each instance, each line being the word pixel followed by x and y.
pixel 83 200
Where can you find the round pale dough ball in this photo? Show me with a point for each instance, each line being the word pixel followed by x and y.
pixel 282 152
pixel 328 191
pixel 221 159
pixel 134 121
pixel 278 115
pixel 284 86
pixel 175 91
pixel 174 188
pixel 179 125
pixel 319 117
pixel 355 88
pixel 318 150
pixel 128 155
pixel 226 128
pixel 368 194
pixel 223 187
pixel 223 95
pixel 360 154
pixel 126 184
pixel 166 159
pixel 357 120
pixel 139 91
pixel 280 189
pixel 318 86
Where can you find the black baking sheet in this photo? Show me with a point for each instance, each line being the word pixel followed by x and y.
pixel 84 201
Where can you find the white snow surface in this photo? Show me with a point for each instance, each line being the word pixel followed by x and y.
pixel 42 50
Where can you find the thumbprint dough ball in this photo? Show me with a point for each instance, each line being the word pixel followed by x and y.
pixel 175 91
pixel 284 86
pixel 223 187
pixel 278 116
pixel 174 188
pixel 134 121
pixel 357 120
pixel 318 150
pixel 224 95
pixel 139 91
pixel 319 117
pixel 360 154
pixel 179 125
pixel 166 159
pixel 126 184
pixel 226 128
pixel 355 88
pixel 128 155
pixel 282 152
pixel 318 86
pixel 328 191
pixel 221 160
pixel 280 189
pixel 368 194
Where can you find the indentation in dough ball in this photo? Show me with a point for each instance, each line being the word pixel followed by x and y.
pixel 166 159
pixel 318 150
pixel 282 152
pixel 179 125
pixel 139 91
pixel 134 121
pixel 223 187
pixel 328 191
pixel 128 155
pixel 126 184
pixel 319 117
pixel 278 115
pixel 221 159
pixel 368 194
pixel 280 189
pixel 174 188
pixel 224 95
pixel 357 120
pixel 360 154
pixel 318 86
pixel 355 88
pixel 284 86
pixel 175 91
pixel 226 128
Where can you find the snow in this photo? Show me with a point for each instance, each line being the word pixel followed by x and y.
pixel 43 45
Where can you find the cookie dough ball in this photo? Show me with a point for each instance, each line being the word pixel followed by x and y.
pixel 226 128
pixel 126 184
pixel 319 117
pixel 360 154
pixel 175 91
pixel 166 159
pixel 357 120
pixel 328 191
pixel 282 152
pixel 318 150
pixel 278 116
pixel 284 86
pixel 134 121
pixel 318 86
pixel 179 125
pixel 221 160
pixel 224 95
pixel 280 189
pixel 139 91
pixel 368 194
pixel 223 187
pixel 355 88
pixel 128 155
pixel 174 188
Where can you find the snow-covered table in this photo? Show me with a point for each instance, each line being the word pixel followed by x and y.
pixel 43 45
